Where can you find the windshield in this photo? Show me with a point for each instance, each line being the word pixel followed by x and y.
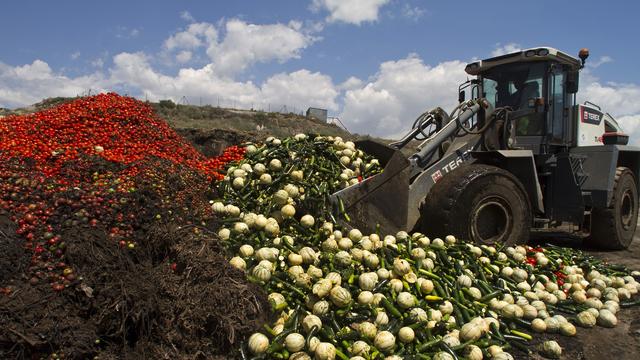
pixel 513 85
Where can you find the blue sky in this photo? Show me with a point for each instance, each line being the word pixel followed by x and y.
pixel 374 63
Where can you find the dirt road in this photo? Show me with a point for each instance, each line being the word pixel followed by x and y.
pixel 619 343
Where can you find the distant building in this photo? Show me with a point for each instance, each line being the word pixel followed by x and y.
pixel 320 114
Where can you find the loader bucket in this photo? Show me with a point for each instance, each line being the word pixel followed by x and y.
pixel 380 200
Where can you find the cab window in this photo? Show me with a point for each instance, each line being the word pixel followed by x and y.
pixel 516 86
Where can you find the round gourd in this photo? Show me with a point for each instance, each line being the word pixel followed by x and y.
pixel 238 183
pixel 261 273
pixel 355 235
pixel 275 164
pixel 473 352
pixel 442 356
pixel 470 331
pixel 446 307
pixel 342 258
pixel 405 300
pixel 238 263
pixel 529 312
pixel 365 297
pixel 359 348
pixel 322 288
pixel 259 168
pixel 538 325
pixel 567 329
pixel 382 318
pixel 512 311
pixel 406 334
pixel 335 278
pixel 465 281
pixel 607 319
pixel 586 319
pixel 426 285
pixel 311 321
pixel 384 341
pixel 418 315
pixel 325 351
pixel 258 343
pixel 321 308
pixel 294 342
pixel 309 255
pixel 281 197
pixel 307 221
pixel 502 356
pixel 401 267
pixel 345 244
pixel 494 350
pixel 553 325
pixel 367 330
pixel 368 281
pixel 340 296
pixel 288 211
pixel 265 179
pixel 396 285
pixel 300 355
pixel 551 349
pixel 218 208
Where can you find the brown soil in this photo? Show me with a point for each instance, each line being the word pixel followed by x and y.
pixel 213 142
pixel 129 304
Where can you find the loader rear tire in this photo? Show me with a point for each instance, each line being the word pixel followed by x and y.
pixel 478 203
pixel 613 228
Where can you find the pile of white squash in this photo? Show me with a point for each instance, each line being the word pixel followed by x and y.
pixel 338 293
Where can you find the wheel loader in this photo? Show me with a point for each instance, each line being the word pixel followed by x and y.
pixel 517 154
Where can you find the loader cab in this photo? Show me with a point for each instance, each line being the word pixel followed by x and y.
pixel 538 86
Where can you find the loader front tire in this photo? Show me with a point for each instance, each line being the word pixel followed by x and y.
pixel 479 203
pixel 613 228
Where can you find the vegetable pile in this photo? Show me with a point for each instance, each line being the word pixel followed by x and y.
pixel 89 155
pixel 339 293
pixel 101 213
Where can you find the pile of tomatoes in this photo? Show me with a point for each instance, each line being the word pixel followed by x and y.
pixel 82 163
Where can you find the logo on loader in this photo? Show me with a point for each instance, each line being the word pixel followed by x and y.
pixel 436 176
pixel 590 116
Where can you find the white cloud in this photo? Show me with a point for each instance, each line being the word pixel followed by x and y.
pixel 401 90
pixel 75 55
pixel 597 63
pixel 97 63
pixel 505 49
pixel 617 99
pixel 631 125
pixel 246 44
pixel 240 46
pixel 184 56
pixel 30 83
pixel 186 16
pixel 301 88
pixel 123 32
pixel 351 83
pixel 350 11
pixel 235 45
pixel 413 13
pixel 298 89
pixel 196 35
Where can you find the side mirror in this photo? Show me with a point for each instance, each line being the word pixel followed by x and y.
pixel 461 96
pixel 572 82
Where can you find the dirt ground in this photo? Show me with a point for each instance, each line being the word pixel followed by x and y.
pixel 619 343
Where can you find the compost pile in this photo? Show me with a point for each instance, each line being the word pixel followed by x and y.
pixel 339 293
pixel 106 251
